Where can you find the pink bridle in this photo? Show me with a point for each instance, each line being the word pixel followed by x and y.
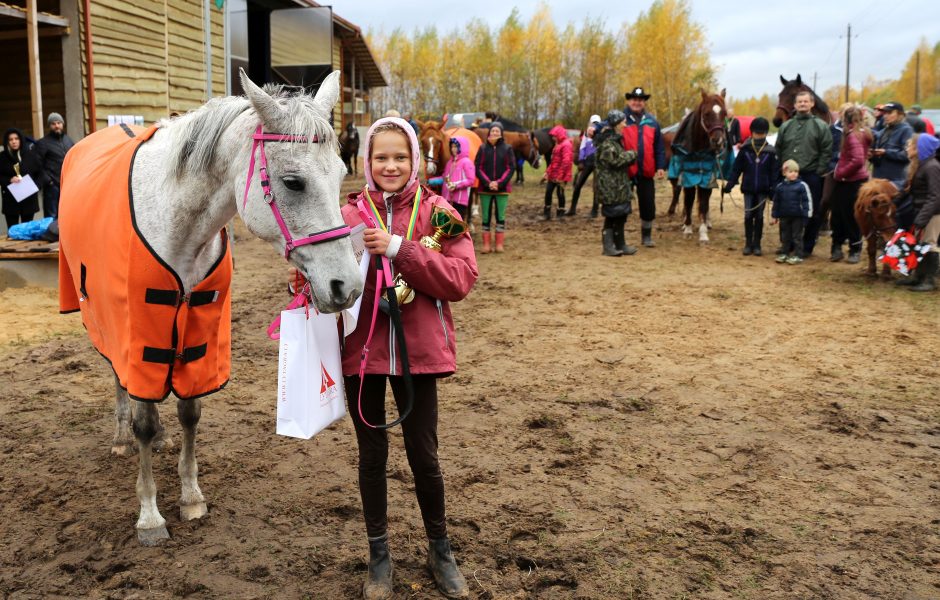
pixel 260 138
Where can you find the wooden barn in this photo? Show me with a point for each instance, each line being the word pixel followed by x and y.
pixel 95 61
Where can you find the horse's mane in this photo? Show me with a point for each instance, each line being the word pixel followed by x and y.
pixel 195 136
pixel 512 125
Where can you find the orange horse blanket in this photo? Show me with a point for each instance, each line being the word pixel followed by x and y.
pixel 157 339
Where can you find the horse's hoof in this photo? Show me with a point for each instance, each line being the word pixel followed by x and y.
pixel 687 231
pixel 152 537
pixel 162 442
pixel 189 512
pixel 123 450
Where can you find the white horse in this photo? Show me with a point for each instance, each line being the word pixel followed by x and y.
pixel 188 181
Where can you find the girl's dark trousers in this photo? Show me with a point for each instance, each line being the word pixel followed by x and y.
pixel 420 435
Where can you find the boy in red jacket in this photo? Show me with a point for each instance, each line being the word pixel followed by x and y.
pixel 558 172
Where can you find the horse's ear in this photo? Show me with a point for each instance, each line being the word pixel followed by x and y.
pixel 420 124
pixel 782 80
pixel 328 93
pixel 722 94
pixel 799 80
pixel 704 94
pixel 267 107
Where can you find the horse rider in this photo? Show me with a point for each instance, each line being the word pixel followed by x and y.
pixel 643 135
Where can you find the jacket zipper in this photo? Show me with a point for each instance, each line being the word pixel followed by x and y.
pixel 440 315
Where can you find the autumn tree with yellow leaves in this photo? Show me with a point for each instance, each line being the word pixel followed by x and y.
pixel 539 74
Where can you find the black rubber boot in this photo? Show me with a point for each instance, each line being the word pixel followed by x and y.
pixel 836 255
pixel 930 264
pixel 647 233
pixel 379 583
pixel 748 238
pixel 621 244
pixel 547 213
pixel 443 567
pixel 757 234
pixel 607 238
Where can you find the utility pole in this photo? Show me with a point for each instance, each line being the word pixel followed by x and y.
pixel 848 54
pixel 917 77
pixel 814 81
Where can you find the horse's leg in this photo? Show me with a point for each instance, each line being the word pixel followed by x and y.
pixel 674 183
pixel 872 249
pixel 688 199
pixel 123 442
pixel 704 195
pixel 151 526
pixel 192 503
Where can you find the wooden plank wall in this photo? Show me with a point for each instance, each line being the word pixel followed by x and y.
pixel 148 57
pixel 338 66
pixel 15 102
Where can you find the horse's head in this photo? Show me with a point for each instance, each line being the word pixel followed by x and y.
pixel 304 173
pixel 433 146
pixel 712 114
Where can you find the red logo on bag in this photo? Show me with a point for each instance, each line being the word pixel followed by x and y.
pixel 327 381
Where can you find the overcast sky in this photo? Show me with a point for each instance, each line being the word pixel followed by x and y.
pixel 750 45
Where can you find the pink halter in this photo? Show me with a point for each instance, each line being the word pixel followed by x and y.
pixel 260 138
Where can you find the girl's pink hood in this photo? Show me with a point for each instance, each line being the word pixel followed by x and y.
pixel 464 147
pixel 412 139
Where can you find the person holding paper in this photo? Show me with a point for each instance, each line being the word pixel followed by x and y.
pixel 398 211
pixel 17 163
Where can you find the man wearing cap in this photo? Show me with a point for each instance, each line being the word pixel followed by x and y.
pixel 807 140
pixel 889 152
pixel 50 151
pixel 642 134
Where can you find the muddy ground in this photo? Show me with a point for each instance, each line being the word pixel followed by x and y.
pixel 683 423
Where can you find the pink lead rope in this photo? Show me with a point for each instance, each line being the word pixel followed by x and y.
pixel 383 275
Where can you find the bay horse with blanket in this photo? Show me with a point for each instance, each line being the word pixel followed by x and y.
pixel 145 256
pixel 700 156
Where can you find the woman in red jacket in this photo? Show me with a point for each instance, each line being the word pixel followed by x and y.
pixel 403 209
pixel 850 173
pixel 558 172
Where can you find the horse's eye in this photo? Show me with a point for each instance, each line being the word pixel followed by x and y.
pixel 293 183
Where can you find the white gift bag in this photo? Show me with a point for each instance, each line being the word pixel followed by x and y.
pixel 310 395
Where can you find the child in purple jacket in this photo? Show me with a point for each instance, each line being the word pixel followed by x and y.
pixel 459 175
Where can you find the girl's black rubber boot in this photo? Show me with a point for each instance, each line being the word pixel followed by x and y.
pixel 379 580
pixel 447 576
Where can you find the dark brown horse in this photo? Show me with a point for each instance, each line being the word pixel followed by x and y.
pixel 522 143
pixel 787 99
pixel 349 148
pixel 700 144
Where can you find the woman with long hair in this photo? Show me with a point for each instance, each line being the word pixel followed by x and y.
pixel 850 173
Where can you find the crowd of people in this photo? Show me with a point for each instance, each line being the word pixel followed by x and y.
pixel 42 162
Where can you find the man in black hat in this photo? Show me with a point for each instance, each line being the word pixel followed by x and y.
pixel 643 135
pixel 889 152
pixel 50 151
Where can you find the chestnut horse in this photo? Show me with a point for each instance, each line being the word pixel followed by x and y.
pixel 786 101
pixel 700 145
pixel 875 215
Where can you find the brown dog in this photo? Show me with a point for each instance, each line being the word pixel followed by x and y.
pixel 874 213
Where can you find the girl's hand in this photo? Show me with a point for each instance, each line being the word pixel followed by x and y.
pixel 494 186
pixel 16 179
pixel 376 240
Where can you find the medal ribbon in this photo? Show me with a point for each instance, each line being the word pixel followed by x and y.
pixel 411 223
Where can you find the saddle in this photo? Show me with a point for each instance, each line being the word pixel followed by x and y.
pixel 157 338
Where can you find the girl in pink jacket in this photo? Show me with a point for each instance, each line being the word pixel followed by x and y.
pixel 438 278
pixel 459 175
pixel 558 172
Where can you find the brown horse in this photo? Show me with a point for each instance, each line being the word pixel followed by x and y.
pixel 522 143
pixel 349 148
pixel 874 213
pixel 699 144
pixel 786 101
pixel 435 147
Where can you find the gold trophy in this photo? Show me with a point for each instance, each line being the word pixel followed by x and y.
pixel 445 225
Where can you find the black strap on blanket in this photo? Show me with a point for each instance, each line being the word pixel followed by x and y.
pixel 394 315
pixel 167 356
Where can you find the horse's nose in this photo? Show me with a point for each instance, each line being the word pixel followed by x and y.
pixel 777 121
pixel 339 292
